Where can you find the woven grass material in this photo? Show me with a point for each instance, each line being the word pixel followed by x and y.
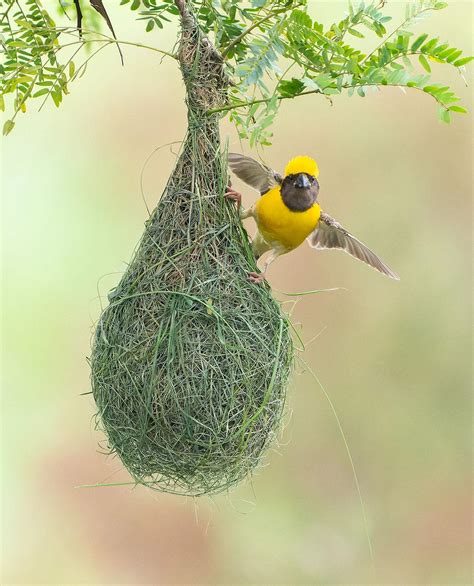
pixel 190 361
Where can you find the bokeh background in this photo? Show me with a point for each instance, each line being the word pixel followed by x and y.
pixel 394 357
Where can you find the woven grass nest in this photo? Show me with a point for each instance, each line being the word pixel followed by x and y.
pixel 190 361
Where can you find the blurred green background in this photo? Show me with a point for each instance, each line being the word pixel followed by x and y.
pixel 394 357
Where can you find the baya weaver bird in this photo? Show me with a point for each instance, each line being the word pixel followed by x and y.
pixel 288 213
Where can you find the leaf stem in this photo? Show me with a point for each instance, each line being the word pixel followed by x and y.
pixel 106 38
pixel 5 14
pixel 382 43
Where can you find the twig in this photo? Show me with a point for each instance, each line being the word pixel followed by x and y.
pixel 78 16
pixel 382 43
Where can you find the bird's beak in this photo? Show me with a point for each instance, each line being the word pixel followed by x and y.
pixel 302 181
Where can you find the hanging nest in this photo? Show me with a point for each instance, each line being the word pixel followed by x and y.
pixel 190 361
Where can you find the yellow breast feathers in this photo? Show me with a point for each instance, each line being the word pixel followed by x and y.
pixel 280 226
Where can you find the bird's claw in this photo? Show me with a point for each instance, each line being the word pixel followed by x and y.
pixel 234 196
pixel 256 278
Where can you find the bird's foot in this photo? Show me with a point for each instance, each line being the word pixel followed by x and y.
pixel 234 196
pixel 256 278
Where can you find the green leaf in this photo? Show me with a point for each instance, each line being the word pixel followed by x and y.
pixel 290 88
pixel 57 96
pixel 150 25
pixel 454 56
pixel 429 45
pixel 440 5
pixel 463 61
pixel 424 63
pixel 459 109
pixel 17 45
pixel 384 56
pixel 444 115
pixel 329 91
pixel 419 41
pixel 323 80
pixel 432 89
pixel 24 23
pixel 41 92
pixel 8 127
pixel 355 33
pixel 72 69
pixel 440 49
pixel 310 83
pixel 446 54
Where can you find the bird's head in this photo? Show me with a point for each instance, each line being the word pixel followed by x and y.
pixel 300 186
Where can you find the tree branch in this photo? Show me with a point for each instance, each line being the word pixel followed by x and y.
pixel 346 87
pixel 184 12
pixel 181 6
pixel 261 101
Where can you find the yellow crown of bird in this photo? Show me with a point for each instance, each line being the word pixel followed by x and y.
pixel 302 164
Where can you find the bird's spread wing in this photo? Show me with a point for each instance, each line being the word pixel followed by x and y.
pixel 255 174
pixel 330 234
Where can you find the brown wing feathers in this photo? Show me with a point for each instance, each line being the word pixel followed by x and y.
pixel 255 174
pixel 330 234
